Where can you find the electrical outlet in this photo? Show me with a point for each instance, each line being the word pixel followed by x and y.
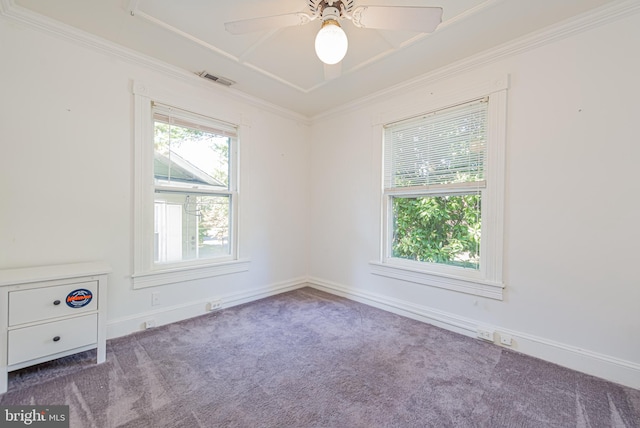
pixel 214 305
pixel 150 324
pixel 505 339
pixel 485 334
pixel 155 299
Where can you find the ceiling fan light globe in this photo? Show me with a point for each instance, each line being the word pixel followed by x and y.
pixel 331 43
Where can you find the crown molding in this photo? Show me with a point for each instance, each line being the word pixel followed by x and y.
pixel 578 24
pixel 11 11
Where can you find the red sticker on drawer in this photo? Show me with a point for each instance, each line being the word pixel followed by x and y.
pixel 79 298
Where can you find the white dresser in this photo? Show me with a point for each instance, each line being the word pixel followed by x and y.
pixel 48 312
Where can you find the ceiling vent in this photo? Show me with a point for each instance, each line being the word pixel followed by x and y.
pixel 218 79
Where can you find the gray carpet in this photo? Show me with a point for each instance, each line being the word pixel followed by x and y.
pixel 310 359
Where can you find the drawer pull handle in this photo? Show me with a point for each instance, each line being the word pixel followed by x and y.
pixel 56 302
pixel 55 339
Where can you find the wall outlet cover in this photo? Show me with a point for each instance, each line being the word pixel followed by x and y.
pixel 485 334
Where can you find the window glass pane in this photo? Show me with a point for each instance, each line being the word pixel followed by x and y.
pixel 442 229
pixel 190 227
pixel 188 157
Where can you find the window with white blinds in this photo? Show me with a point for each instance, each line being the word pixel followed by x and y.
pixel 439 148
pixel 443 196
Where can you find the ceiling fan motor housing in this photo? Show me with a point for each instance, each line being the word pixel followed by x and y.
pixel 335 8
pixel 330 13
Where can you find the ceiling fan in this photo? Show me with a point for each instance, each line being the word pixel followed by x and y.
pixel 331 42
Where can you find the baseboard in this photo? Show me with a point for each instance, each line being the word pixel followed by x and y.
pixel 603 366
pixel 126 325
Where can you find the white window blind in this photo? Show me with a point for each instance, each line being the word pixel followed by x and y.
pixel 440 148
pixel 186 119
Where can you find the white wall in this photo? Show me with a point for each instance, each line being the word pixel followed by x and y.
pixel 572 205
pixel 66 189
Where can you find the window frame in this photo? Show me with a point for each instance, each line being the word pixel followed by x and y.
pixel 148 273
pixel 486 281
pixel 165 114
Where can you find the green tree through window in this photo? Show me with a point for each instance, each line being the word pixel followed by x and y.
pixel 438 229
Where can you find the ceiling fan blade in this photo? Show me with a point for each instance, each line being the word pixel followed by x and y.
pixel 267 23
pixel 406 18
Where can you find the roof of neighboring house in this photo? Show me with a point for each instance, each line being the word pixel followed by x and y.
pixel 175 169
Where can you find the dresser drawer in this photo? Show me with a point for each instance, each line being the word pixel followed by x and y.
pixel 44 303
pixel 39 341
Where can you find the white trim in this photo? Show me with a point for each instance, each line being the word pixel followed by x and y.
pixel 437 189
pixel 495 170
pixel 477 287
pixel 188 273
pixel 596 364
pixel 126 325
pixel 143 199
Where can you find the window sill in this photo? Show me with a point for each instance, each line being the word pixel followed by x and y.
pixel 477 287
pixel 188 273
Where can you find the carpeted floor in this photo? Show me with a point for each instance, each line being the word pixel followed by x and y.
pixel 310 359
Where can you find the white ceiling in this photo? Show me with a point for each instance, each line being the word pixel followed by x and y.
pixel 280 66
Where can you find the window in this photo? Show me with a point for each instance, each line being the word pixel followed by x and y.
pixel 186 195
pixel 194 186
pixel 443 197
pixel 434 179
